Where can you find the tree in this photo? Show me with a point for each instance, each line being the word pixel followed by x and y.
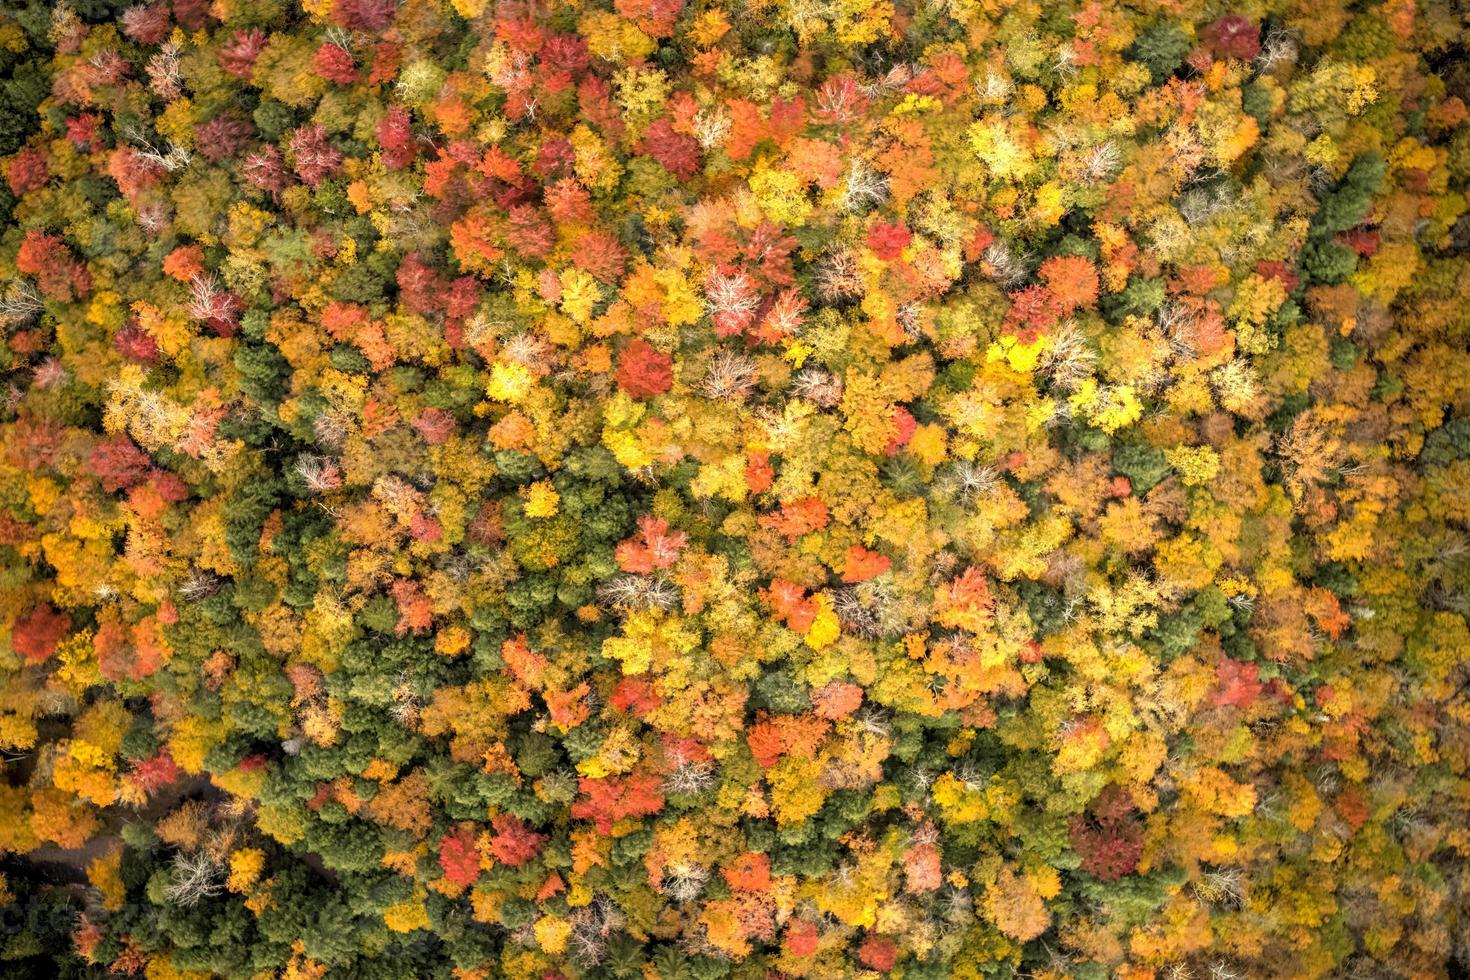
pixel 1014 905
pixel 36 634
pixel 605 800
pixel 563 489
pixel 654 547
pixel 1110 837
pixel 643 371
pixel 459 857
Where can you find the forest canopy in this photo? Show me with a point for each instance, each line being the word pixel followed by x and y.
pixel 760 489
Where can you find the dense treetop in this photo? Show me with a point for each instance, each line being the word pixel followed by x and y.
pixel 781 488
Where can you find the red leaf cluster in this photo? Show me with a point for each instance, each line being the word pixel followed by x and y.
pixel 1111 841
pixel 459 857
pixel 888 240
pixel 1233 36
pixel 797 518
pixel 1238 683
pixel 36 634
pixel 316 159
pixel 335 63
pixel 27 171
pixel 513 841
pixel 644 371
pixel 118 464
pixel 652 548
pixel 862 564
pixel 605 801
pixel 677 152
pixel 790 605
pixel 58 273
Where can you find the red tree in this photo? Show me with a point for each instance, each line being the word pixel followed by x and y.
pixel 118 464
pixel 514 842
pixel 238 54
pixel 1239 683
pixel 888 240
pixel 36 634
pixel 1111 841
pixel 653 547
pixel 458 856
pixel 605 801
pixel 678 152
pixel 395 134
pixel 1233 36
pixel 644 371
pixel 27 171
pixel 335 63
pixel 316 159
pixel 60 276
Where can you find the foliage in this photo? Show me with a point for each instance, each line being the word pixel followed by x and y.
pixel 679 489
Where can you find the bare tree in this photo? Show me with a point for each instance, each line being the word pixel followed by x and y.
pixel 210 301
pixel 199 585
pixel 818 387
pixel 863 187
pixel 685 882
pixel 19 303
pixel 1101 162
pixel 838 278
pixel 711 126
pixel 1003 265
pixel 195 877
pixel 691 776
pixel 1067 360
pixel 732 296
pixel 639 592
pixel 174 157
pixel 320 473
pixel 730 375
